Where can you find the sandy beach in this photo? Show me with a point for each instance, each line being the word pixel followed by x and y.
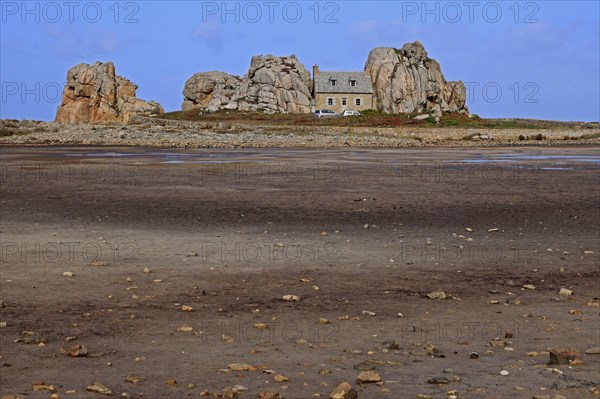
pixel 169 268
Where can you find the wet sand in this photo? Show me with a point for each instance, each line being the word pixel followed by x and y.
pixel 230 232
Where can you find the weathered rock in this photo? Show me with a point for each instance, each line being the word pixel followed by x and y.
pixel 135 379
pixel 344 391
pixel 438 294
pixel 406 80
pixel 390 344
pixel 368 377
pixel 270 395
pixel 272 84
pixel 593 351
pixel 95 93
pixel 31 337
pixel 241 367
pixel 77 351
pixel 209 91
pixel 565 356
pixel 99 388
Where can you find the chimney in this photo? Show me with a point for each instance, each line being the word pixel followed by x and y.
pixel 315 71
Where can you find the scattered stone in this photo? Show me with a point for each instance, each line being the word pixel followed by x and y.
pixel 368 376
pixel 529 287
pixel 365 365
pixel 228 393
pixel 593 351
pixel 97 263
pixel 390 344
pixel 474 355
pixel 68 274
pixel 261 326
pixel 565 356
pixel 448 370
pixel 241 367
pixel 280 378
pixel 565 292
pixel 438 294
pixel 186 308
pixel 323 320
pixel 99 388
pixel 343 391
pixel 185 328
pixel 171 382
pixel 399 314
pixel 31 337
pixel 77 351
pixel 438 380
pixel 43 387
pixel 270 395
pixel 368 313
pixel 504 372
pixel 497 343
pixel 135 379
pixel 494 230
pixel 291 298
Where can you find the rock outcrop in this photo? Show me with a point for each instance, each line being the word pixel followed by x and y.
pixel 210 91
pixel 272 84
pixel 406 80
pixel 94 93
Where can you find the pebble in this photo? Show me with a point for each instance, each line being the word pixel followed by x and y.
pixel 565 292
pixel 291 298
pixel 135 379
pixel 99 388
pixel 438 294
pixel 344 391
pixel 368 313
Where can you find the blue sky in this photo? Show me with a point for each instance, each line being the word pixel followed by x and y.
pixel 532 59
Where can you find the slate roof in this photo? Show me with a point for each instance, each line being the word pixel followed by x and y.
pixel 323 82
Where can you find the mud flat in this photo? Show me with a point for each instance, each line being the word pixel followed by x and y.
pixel 169 269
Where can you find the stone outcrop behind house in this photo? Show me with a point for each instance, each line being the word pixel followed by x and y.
pixel 406 80
pixel 272 84
pixel 95 93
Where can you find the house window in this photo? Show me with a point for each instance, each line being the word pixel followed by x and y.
pixel 358 102
pixel 353 83
pixel 333 82
pixel 344 101
pixel 329 101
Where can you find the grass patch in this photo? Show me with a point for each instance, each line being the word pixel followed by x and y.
pixel 590 136
pixel 369 118
pixel 11 131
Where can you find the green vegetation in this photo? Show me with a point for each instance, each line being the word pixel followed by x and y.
pixel 11 131
pixel 369 118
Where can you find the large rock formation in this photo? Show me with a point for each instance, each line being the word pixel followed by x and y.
pixel 272 84
pixel 94 93
pixel 209 91
pixel 406 80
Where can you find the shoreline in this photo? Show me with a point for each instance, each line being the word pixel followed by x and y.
pixel 159 133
